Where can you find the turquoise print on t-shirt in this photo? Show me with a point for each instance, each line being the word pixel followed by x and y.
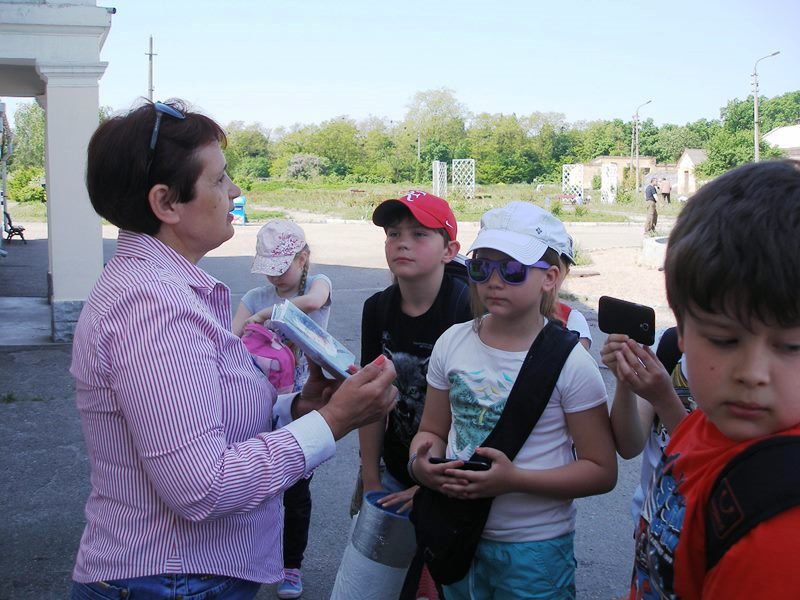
pixel 476 404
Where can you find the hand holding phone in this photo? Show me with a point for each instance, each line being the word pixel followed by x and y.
pixel 637 321
pixel 469 465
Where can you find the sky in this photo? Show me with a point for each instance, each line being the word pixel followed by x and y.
pixel 284 62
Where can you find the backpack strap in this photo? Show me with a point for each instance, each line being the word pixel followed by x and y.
pixel 458 298
pixel 758 483
pixel 532 390
pixel 668 351
pixel 383 306
pixel 453 306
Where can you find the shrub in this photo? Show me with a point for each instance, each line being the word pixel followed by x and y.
pixel 25 185
pixel 625 196
pixel 307 166
pixel 556 209
pixel 581 211
pixel 596 182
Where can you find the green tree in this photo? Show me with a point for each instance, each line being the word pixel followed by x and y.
pixel 295 141
pixel 779 111
pixel 671 140
pixel 601 138
pixel 729 149
pixel 340 142
pixel 25 184
pixel 28 137
pixel 379 164
pixel 502 150
pixel 247 152
pixel 436 123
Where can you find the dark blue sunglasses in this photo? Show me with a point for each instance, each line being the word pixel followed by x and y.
pixel 513 272
pixel 161 110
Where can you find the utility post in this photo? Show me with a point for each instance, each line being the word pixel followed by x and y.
pixel 756 140
pixel 150 54
pixel 635 140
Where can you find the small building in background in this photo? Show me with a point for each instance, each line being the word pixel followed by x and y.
pixel 687 182
pixel 786 138
pixel 594 167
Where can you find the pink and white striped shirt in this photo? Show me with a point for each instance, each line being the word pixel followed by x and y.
pixel 186 473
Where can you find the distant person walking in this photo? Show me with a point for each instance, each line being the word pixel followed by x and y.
pixel 665 187
pixel 652 213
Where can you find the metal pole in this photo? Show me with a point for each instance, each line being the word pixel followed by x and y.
pixel 633 143
pixel 756 140
pixel 636 133
pixel 150 88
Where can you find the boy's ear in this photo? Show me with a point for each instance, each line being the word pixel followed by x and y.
pixel 451 250
pixel 162 204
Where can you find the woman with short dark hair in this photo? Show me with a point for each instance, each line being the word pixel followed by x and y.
pixel 186 472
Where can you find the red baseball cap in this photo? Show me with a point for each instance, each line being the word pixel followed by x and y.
pixel 431 211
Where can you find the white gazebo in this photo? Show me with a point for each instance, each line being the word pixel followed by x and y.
pixel 50 50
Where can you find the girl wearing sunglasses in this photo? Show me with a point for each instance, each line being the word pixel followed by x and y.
pixel 526 548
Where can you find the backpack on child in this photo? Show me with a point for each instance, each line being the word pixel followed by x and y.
pixel 456 268
pixel 270 355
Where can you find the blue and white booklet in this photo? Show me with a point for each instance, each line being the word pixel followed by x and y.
pixel 316 343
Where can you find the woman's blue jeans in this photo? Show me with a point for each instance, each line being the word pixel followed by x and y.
pixel 168 587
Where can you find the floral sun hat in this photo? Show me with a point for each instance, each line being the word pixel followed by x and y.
pixel 277 244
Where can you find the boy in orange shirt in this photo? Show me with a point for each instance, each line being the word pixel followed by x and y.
pixel 733 281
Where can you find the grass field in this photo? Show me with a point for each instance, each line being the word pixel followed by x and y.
pixel 272 199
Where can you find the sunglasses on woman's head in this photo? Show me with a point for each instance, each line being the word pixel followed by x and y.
pixel 161 110
pixel 513 272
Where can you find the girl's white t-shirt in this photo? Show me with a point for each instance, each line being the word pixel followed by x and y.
pixel 479 379
pixel 264 296
pixel 577 322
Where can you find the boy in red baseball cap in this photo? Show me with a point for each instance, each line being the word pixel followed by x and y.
pixel 403 322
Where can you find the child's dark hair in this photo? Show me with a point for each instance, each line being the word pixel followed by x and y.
pixel 735 248
pixel 546 307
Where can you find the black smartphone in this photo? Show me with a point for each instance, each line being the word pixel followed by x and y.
pixel 637 321
pixel 469 465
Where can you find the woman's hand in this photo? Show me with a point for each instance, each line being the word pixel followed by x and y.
pixel 469 485
pixel 363 398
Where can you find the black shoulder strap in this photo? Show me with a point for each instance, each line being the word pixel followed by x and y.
pixel 532 389
pixel 668 352
pixel 384 305
pixel 757 484
pixel 459 298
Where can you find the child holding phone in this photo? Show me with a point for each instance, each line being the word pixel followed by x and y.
pixel 649 401
pixel 527 544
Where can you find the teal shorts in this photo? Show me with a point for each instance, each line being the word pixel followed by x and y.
pixel 508 570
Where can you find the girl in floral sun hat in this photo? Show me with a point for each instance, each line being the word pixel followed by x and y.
pixel 283 255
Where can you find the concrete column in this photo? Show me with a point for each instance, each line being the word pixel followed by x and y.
pixel 75 240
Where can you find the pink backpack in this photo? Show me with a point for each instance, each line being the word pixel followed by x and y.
pixel 271 356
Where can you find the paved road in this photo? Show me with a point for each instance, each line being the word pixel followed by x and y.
pixel 44 468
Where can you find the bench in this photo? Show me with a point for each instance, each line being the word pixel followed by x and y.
pixel 12 230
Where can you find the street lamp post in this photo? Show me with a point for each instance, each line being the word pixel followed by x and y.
pixel 756 143
pixel 635 141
